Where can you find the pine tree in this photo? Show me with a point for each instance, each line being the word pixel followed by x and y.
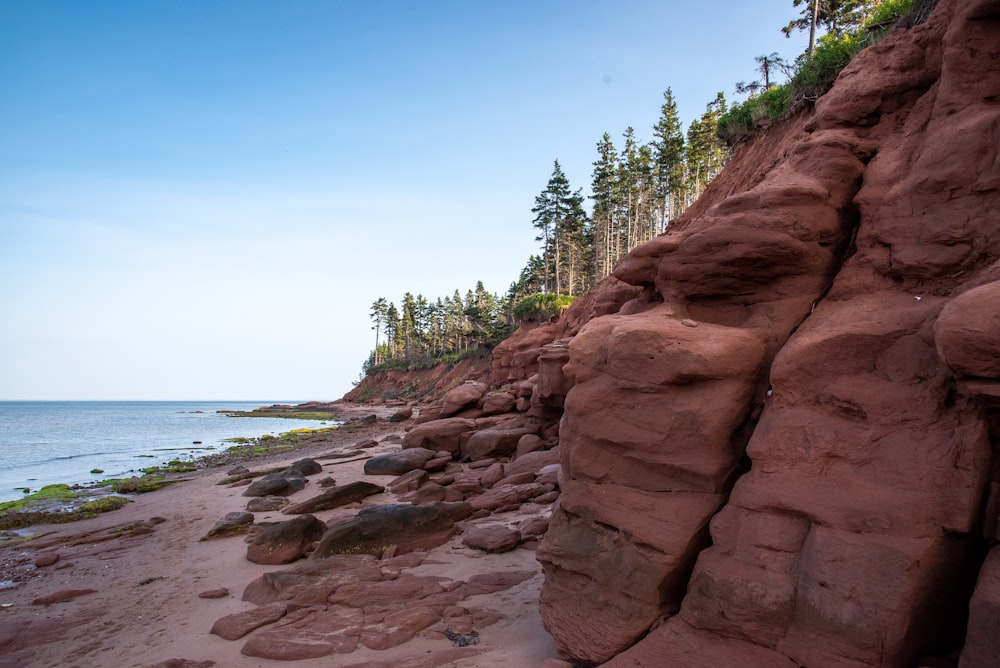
pixel 668 152
pixel 604 224
pixel 705 155
pixel 560 219
pixel 835 16
pixel 378 314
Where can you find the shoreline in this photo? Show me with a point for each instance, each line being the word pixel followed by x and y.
pixel 145 579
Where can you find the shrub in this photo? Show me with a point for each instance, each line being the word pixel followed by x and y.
pixel 541 307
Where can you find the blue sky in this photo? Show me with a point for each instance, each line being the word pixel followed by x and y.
pixel 201 200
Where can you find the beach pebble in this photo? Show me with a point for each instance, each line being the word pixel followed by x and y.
pixel 46 559
pixel 221 592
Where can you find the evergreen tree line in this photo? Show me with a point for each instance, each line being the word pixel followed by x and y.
pixel 421 330
pixel 635 192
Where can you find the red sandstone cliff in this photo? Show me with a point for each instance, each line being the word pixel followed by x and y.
pixel 777 448
pixel 778 423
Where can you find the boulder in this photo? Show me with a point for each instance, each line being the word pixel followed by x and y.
pixel 449 435
pixel 496 442
pixel 504 497
pixel 463 396
pixel 374 529
pixel 495 403
pixel 408 481
pixel 967 332
pixel 398 463
pixel 263 504
pixel 402 415
pixel 491 537
pixel 335 497
pixel 306 467
pixel 529 443
pixel 282 483
pixel 533 462
pixel 230 525
pixel 284 542
pixel 237 625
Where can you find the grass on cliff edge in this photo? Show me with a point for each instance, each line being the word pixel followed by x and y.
pixel 815 74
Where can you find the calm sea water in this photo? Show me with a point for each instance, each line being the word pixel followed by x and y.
pixel 46 442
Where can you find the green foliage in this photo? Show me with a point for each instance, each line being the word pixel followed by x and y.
pixel 541 307
pixel 817 73
pixel 741 120
pixel 852 27
pixel 58 492
pixel 103 505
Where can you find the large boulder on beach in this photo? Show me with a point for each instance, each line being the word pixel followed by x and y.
pixel 335 497
pixel 284 542
pixel 306 466
pixel 449 434
pixel 375 529
pixel 398 463
pixel 232 524
pixel 497 442
pixel 465 395
pixel 282 483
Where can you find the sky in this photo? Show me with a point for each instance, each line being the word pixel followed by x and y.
pixel 201 200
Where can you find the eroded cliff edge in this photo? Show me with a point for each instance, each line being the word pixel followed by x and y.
pixel 778 444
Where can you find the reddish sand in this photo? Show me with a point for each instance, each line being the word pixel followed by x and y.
pixel 145 607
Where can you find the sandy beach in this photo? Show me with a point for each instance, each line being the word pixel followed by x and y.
pixel 145 566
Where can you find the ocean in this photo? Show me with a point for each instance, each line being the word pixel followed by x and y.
pixel 48 442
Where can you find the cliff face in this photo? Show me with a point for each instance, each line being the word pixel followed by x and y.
pixel 778 444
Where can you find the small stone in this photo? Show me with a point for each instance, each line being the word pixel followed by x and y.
pixel 689 323
pixel 221 592
pixel 46 559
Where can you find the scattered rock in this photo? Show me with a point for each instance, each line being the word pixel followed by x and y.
pixel 493 443
pixel 448 434
pixel 375 528
pixel 62 596
pixel 463 396
pixel 282 483
pixel 44 559
pixel 221 592
pixel 398 463
pixel 401 415
pixel 237 625
pixel 408 481
pixel 306 467
pixel 232 524
pixel 335 497
pixel 284 542
pixel 264 504
pixel 492 537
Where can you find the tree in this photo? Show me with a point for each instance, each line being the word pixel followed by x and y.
pixel 378 314
pixel 560 219
pixel 668 153
pixel 705 153
pixel 769 65
pixel 604 189
pixel 835 16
